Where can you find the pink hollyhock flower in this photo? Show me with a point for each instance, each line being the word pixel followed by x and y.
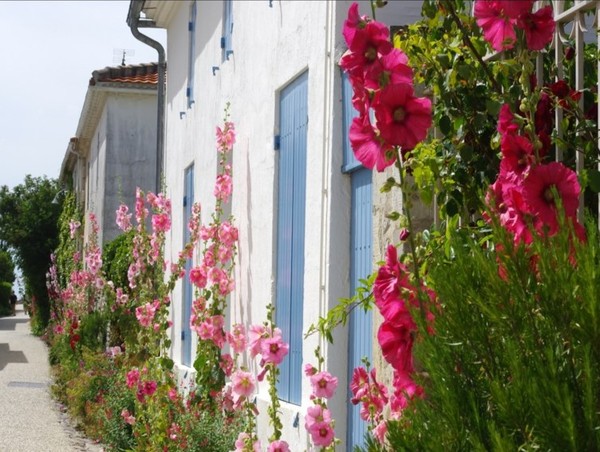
pixel 123 218
pixel 242 439
pixel 369 149
pixel 133 376
pixel 323 384
pixel 379 431
pixel 243 383
pixel 322 434
pixel 538 27
pixel 127 417
pixel 538 192
pixel 237 338
pixel 517 154
pixel 228 233
pixel 145 314
pixel 278 446
pixel 73 226
pixel 223 187
pixel 161 222
pixel 497 19
pixel 226 137
pixel 309 370
pixel 316 414
pixel 256 334
pixel 149 387
pixel 198 277
pixel 226 364
pixel 402 119
pixel 173 395
pixel 387 289
pixel 359 385
pixel 273 349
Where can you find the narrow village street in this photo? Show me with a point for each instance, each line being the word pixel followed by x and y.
pixel 30 420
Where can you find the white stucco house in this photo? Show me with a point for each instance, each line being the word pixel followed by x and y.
pixel 303 205
pixel 114 148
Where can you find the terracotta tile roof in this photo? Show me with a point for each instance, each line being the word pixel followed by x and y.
pixel 146 74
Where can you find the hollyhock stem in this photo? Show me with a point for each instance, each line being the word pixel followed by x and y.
pixel 448 5
pixel 400 164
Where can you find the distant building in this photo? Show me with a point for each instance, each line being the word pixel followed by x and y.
pixel 114 149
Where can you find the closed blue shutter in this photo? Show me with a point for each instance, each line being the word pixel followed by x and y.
pixel 226 41
pixel 360 332
pixel 293 122
pixel 186 332
pixel 191 55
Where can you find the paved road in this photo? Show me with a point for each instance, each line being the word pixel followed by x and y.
pixel 30 420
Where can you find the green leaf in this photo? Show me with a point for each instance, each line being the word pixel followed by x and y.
pixel 594 180
pixel 445 125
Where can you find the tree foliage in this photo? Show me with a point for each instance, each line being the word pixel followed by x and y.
pixel 7 267
pixel 28 225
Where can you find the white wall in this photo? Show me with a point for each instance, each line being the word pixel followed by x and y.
pixel 272 45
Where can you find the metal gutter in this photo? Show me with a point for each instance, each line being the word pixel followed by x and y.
pixel 135 22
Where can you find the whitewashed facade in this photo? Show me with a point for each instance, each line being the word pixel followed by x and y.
pixel 269 48
pixel 114 149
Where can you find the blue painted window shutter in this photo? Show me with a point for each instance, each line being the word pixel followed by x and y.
pixel 360 331
pixel 226 41
pixel 188 290
pixel 293 122
pixel 189 92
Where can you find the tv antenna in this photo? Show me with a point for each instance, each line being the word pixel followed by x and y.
pixel 120 55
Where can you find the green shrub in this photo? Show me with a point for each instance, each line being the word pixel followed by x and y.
pixel 5 291
pixel 116 258
pixel 514 363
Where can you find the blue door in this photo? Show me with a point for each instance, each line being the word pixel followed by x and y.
pixel 188 291
pixel 293 122
pixel 360 331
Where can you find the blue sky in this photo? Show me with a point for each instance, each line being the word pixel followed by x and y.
pixel 50 49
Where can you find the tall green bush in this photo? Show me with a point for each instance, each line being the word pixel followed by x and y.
pixel 514 362
pixel 5 291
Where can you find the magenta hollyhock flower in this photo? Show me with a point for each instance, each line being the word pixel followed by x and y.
pixel 538 192
pixel 402 119
pixel 506 121
pixel 352 23
pixel 133 376
pixel 323 384
pixel 405 389
pixel 279 446
pixel 392 69
pixel 497 19
pixel 243 383
pixel 321 433
pixel 273 349
pixel 359 385
pixel 538 27
pixel 517 154
pixel 369 149
pixel 368 44
pixel 396 343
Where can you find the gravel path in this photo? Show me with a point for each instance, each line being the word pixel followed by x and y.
pixel 30 420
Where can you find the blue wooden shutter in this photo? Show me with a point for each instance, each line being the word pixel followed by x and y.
pixel 188 291
pixel 360 332
pixel 293 121
pixel 191 54
pixel 226 41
